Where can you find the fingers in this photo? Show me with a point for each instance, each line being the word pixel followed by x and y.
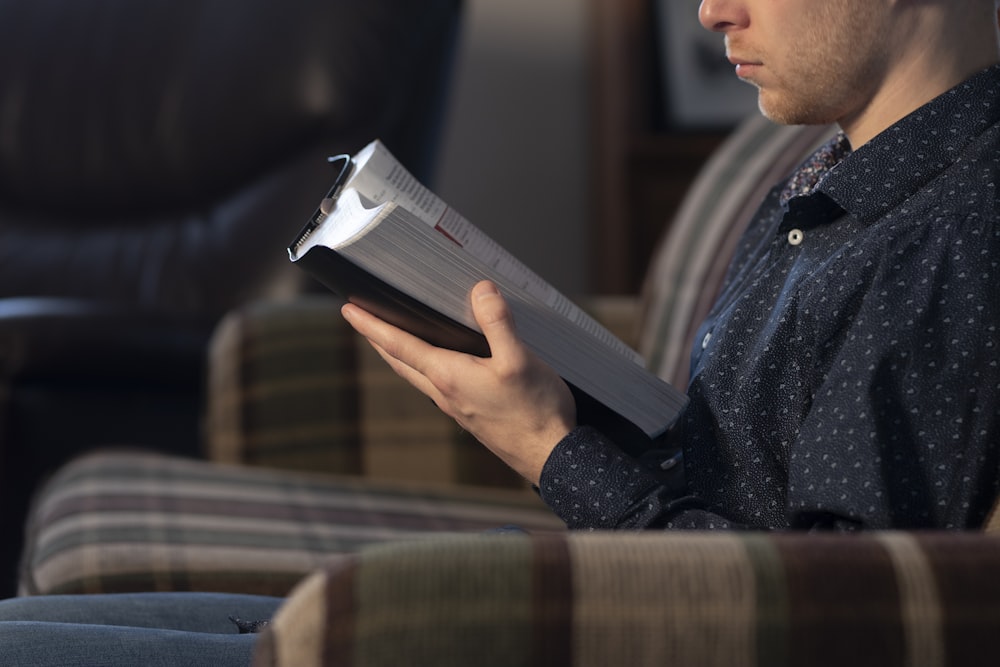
pixel 497 322
pixel 393 340
pixel 410 374
pixel 401 350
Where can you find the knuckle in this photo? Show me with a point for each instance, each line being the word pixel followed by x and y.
pixel 445 383
pixel 448 391
pixel 512 369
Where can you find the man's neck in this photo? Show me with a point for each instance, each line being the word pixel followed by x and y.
pixel 937 54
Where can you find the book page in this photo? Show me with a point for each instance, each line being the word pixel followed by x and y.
pixel 379 177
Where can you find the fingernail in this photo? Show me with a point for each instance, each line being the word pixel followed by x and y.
pixel 486 289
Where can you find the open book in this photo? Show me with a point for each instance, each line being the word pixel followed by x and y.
pixel 382 240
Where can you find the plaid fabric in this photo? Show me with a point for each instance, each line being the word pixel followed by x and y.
pixel 283 385
pixel 688 599
pixel 119 521
pixel 292 386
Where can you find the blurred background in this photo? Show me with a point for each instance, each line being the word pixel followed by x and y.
pixel 575 126
pixel 157 157
pixel 514 150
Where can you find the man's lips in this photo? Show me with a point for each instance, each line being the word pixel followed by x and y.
pixel 744 66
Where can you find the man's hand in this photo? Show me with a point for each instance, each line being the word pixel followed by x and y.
pixel 512 402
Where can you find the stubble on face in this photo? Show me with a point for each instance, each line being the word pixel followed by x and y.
pixel 828 65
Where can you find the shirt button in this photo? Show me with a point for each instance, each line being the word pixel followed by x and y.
pixel 795 237
pixel 704 341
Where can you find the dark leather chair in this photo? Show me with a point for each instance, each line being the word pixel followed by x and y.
pixel 155 159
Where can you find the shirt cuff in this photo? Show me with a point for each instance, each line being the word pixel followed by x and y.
pixel 590 483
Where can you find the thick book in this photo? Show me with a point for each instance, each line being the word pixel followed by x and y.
pixel 382 240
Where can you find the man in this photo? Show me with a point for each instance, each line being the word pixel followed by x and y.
pixel 847 377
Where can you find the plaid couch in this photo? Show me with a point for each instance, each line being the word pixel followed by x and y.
pixel 331 481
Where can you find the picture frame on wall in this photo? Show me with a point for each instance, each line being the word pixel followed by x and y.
pixel 699 85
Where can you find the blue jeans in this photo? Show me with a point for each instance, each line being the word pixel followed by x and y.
pixel 151 629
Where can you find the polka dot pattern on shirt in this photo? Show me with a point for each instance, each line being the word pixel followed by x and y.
pixel 850 378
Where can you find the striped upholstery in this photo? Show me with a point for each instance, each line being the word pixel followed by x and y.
pixel 120 521
pixel 282 389
pixel 691 599
pixel 292 386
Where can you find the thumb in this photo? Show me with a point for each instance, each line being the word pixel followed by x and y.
pixel 495 319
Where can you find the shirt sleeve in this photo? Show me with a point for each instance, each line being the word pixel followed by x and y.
pixel 592 485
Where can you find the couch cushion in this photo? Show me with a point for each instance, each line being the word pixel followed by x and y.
pixel 130 521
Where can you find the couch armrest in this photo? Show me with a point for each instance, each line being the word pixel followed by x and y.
pixel 650 599
pixel 283 388
pixel 292 386
pixel 42 338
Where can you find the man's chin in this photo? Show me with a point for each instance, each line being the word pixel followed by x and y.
pixel 788 114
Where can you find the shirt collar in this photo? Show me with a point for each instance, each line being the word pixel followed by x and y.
pixel 899 161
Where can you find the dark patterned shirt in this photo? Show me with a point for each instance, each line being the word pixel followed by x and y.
pixel 847 376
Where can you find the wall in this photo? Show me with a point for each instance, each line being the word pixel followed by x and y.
pixel 514 159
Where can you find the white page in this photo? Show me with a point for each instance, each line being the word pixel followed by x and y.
pixel 379 177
